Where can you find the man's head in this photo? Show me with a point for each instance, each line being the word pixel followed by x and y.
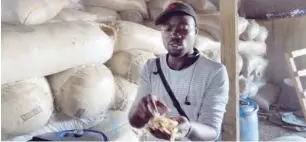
pixel 179 28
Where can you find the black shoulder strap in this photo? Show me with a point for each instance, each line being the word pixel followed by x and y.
pixel 173 98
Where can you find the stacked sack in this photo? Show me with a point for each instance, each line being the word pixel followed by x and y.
pixel 53 72
pixel 79 61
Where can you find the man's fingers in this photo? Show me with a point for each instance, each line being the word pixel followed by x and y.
pixel 162 106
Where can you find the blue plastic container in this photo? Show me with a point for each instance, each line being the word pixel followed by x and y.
pixel 248 120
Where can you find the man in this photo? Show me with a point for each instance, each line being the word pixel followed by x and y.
pixel 199 85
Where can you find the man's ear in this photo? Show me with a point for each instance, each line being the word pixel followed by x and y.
pixel 196 30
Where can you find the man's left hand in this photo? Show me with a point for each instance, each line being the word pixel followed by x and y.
pixel 183 127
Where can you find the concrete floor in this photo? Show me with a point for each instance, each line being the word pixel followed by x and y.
pixel 269 131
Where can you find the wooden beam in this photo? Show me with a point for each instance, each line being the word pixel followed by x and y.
pixel 229 43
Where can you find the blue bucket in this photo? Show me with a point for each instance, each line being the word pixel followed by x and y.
pixel 248 120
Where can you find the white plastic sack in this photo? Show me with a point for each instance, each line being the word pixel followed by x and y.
pixel 61 122
pixel 103 14
pixel 30 12
pixel 267 95
pixel 84 91
pixel 252 47
pixel 132 16
pixel 155 7
pixel 255 65
pixel 25 106
pixel 202 6
pixel 263 34
pixel 251 32
pixel 69 14
pixel 211 24
pixel 135 36
pixel 120 5
pixel 50 48
pixel 129 64
pixel 125 94
pixel 117 127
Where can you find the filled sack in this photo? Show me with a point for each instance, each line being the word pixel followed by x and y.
pixel 30 51
pixel 135 36
pixel 120 5
pixel 129 64
pixel 84 91
pixel 263 34
pixel 252 47
pixel 125 93
pixel 202 6
pixel 26 106
pixel 95 14
pixel 30 12
pixel 132 16
pixel 267 95
pixel 254 65
pixel 252 31
pixel 116 127
pixel 155 7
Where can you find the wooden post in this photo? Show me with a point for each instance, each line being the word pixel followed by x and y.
pixel 229 43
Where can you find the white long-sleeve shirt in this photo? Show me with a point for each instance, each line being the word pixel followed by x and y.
pixel 205 82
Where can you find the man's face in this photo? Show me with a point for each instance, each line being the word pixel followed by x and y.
pixel 179 33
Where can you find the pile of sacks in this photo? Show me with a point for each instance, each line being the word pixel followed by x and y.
pixel 75 64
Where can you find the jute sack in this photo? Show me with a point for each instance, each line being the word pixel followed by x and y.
pixel 125 93
pixel 132 16
pixel 252 31
pixel 94 14
pixel 135 36
pixel 31 12
pixel 50 48
pixel 120 5
pixel 84 91
pixel 202 6
pixel 25 106
pixel 129 64
pixel 267 95
pixel 211 24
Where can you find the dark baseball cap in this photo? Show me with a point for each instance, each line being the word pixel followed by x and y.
pixel 176 7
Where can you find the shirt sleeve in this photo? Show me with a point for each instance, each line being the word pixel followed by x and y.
pixel 215 100
pixel 144 86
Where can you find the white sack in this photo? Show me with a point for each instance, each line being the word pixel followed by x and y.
pixel 263 34
pixel 211 24
pixel 129 64
pixel 202 6
pixel 252 47
pixel 288 98
pixel 117 127
pixel 68 14
pixel 50 48
pixel 84 91
pixel 25 106
pixel 94 14
pixel 246 86
pixel 151 24
pixel 214 54
pixel 254 65
pixel 61 122
pixel 31 12
pixel 103 14
pixel 155 7
pixel 132 16
pixel 125 93
pixel 120 5
pixel 251 32
pixel 267 95
pixel 135 36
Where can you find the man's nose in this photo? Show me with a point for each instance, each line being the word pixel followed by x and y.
pixel 176 34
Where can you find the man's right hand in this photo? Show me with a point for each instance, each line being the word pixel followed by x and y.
pixel 146 108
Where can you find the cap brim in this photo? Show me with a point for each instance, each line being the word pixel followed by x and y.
pixel 164 15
